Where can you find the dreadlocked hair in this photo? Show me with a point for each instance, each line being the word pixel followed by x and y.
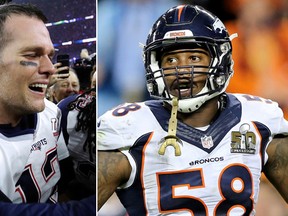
pixel 85 103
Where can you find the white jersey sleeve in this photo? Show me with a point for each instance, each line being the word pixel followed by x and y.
pixel 120 128
pixel 265 111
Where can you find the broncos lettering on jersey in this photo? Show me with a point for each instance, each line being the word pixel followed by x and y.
pixel 219 167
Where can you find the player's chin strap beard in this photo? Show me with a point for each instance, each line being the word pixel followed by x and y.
pixel 171 139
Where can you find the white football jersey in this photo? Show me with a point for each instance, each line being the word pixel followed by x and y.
pixel 218 170
pixel 29 157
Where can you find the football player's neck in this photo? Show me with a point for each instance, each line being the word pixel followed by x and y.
pixel 9 116
pixel 203 116
pixel 11 121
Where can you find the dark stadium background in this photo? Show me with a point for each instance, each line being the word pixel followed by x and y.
pixel 69 24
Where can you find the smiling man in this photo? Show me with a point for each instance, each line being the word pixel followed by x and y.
pixel 25 65
pixel 29 156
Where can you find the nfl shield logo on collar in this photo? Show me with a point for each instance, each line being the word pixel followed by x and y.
pixel 207 142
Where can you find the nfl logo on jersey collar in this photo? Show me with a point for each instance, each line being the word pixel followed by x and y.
pixel 207 142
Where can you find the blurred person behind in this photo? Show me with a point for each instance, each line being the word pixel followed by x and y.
pixel 55 78
pixel 78 132
pixel 260 57
pixel 65 87
pixel 84 67
pixel 261 49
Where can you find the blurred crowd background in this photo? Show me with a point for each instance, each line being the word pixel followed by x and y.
pixel 260 54
pixel 71 23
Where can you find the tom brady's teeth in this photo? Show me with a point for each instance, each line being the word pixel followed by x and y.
pixel 38 85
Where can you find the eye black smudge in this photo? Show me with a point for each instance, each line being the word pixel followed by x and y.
pixel 28 63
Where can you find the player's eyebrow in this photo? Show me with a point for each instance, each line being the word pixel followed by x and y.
pixel 37 49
